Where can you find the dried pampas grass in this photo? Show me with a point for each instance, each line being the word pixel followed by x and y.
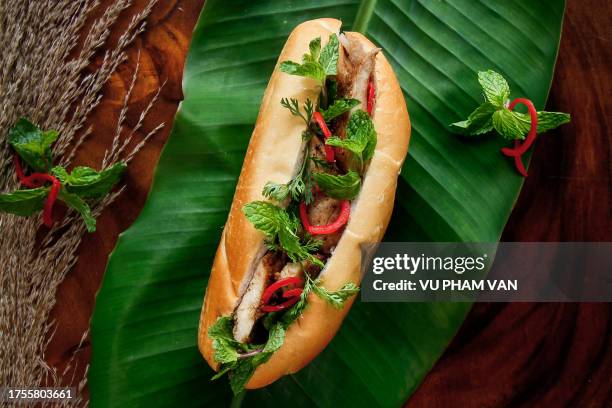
pixel 44 54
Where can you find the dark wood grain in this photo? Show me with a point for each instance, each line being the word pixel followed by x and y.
pixel 550 355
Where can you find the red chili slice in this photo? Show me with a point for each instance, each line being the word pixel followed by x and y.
pixel 329 151
pixel 345 212
pixel 371 97
pixel 518 162
pixel 48 209
pixel 279 284
pixel 521 149
pixel 36 180
pixel 284 305
pixel 292 292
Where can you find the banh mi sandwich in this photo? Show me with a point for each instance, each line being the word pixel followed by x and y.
pixel 318 180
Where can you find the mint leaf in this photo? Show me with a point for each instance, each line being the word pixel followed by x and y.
pixel 329 56
pixel 546 121
pixel 360 126
pixel 276 338
pixel 345 187
pixel 507 125
pixel 338 298
pixel 75 202
pixel 308 69
pixel 339 107
pixel 24 202
pixel 32 144
pixel 228 352
pixel 87 182
pixel 315 49
pixel 264 216
pixel 318 63
pixel 360 138
pixel 279 225
pixel 356 146
pixel 240 374
pixel 495 87
pixel 226 348
pixel 480 121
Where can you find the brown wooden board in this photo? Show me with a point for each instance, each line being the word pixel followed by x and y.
pixel 505 354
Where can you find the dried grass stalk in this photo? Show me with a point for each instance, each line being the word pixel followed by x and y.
pixel 42 78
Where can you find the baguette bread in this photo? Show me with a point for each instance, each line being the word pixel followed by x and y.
pixel 274 151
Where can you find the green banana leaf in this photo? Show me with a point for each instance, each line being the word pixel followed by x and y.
pixel 451 189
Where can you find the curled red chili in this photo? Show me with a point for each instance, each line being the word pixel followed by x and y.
pixel 36 180
pixel 329 151
pixel 371 97
pixel 293 294
pixel 518 162
pixel 345 212
pixel 519 149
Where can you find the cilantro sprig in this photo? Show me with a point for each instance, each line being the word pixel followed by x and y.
pixel 33 146
pixel 298 188
pixel 494 114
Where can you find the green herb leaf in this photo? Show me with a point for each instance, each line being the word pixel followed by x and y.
pixel 276 338
pixel 338 298
pixel 264 216
pixel 344 187
pixel 315 49
pixel 87 182
pixel 228 350
pixel 240 374
pixel 507 125
pixel 279 225
pixel 308 69
pixel 329 56
pixel 495 87
pixel 339 107
pixel 32 144
pixel 546 121
pixel 75 202
pixel 318 63
pixel 360 138
pixel 24 202
pixel 294 107
pixel 494 114
pixel 479 122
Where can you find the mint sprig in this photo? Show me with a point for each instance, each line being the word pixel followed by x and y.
pixel 282 229
pixel 360 139
pixel 494 114
pixel 318 63
pixel 33 146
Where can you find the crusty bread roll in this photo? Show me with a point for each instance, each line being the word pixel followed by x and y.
pixel 273 152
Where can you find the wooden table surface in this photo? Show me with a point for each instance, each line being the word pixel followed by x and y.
pixel 520 354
